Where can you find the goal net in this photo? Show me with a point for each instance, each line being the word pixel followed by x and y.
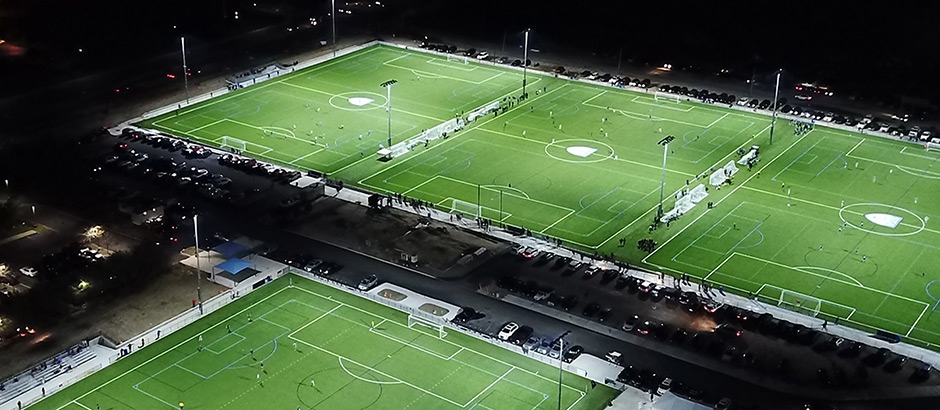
pixel 932 146
pixel 420 321
pixel 672 98
pixel 805 304
pixel 458 59
pixel 723 174
pixel 698 193
pixel 229 142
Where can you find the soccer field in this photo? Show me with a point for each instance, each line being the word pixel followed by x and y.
pixel 350 354
pixel 581 162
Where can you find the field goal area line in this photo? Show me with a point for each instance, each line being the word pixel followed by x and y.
pixel 844 282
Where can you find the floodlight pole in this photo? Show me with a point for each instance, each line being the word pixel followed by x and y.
pixel 662 185
pixel 773 118
pixel 388 86
pixel 185 77
pixel 198 269
pixel 333 24
pixel 561 358
pixel 525 57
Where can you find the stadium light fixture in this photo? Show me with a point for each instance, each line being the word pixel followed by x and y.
pixel 198 269
pixel 662 185
pixel 773 118
pixel 561 358
pixel 525 57
pixel 388 86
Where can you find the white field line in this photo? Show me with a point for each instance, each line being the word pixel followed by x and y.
pixel 133 369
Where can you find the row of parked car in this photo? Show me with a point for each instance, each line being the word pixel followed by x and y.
pixel 253 166
pixel 867 123
pixel 523 336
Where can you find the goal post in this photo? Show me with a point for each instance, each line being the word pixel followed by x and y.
pixel 667 97
pixel 434 326
pixel 458 59
pixel 229 142
pixel 805 304
pixel 932 146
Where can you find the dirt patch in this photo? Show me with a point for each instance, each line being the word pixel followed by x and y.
pixel 433 309
pixel 392 295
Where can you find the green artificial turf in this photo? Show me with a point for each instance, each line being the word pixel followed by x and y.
pixel 350 354
pixel 581 163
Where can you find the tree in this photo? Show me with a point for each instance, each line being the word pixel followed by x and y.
pixel 647 245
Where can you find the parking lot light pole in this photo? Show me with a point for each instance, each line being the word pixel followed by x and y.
pixel 198 270
pixel 388 107
pixel 185 77
pixel 773 118
pixel 333 26
pixel 561 357
pixel 662 185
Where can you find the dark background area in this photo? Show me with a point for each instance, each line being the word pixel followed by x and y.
pixel 869 50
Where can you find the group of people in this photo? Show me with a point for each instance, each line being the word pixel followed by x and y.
pixel 801 128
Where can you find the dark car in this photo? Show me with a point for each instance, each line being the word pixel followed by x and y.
pixel 604 314
pixel 591 309
pixel 895 364
pixel 521 335
pixel 631 322
pixel 878 357
pixel 328 268
pixel 609 276
pixel 570 302
pixel 853 350
pixel 647 327
pixel 467 314
pixel 573 353
pixel 726 331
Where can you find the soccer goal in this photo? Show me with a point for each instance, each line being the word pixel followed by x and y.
pixel 418 320
pixel 932 146
pixel 666 97
pixel 458 59
pixel 806 304
pixel 229 142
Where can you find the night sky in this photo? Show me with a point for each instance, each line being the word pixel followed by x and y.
pixel 858 48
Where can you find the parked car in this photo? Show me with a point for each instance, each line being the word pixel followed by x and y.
pixel 631 323
pixel 521 335
pixel 614 357
pixel 532 343
pixel 507 330
pixel 368 282
pixel 573 353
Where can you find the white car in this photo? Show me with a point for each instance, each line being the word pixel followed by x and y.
pixel 483 55
pixel 803 97
pixel 368 282
pixel 29 271
pixel 507 330
pixel 614 357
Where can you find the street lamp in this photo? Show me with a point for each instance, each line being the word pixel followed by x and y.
pixel 388 107
pixel 198 269
pixel 525 57
pixel 561 358
pixel 662 186
pixel 773 118
pixel 185 77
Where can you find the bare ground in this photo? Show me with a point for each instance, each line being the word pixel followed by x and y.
pixel 119 319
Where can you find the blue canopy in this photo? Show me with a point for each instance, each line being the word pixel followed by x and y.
pixel 229 249
pixel 233 266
